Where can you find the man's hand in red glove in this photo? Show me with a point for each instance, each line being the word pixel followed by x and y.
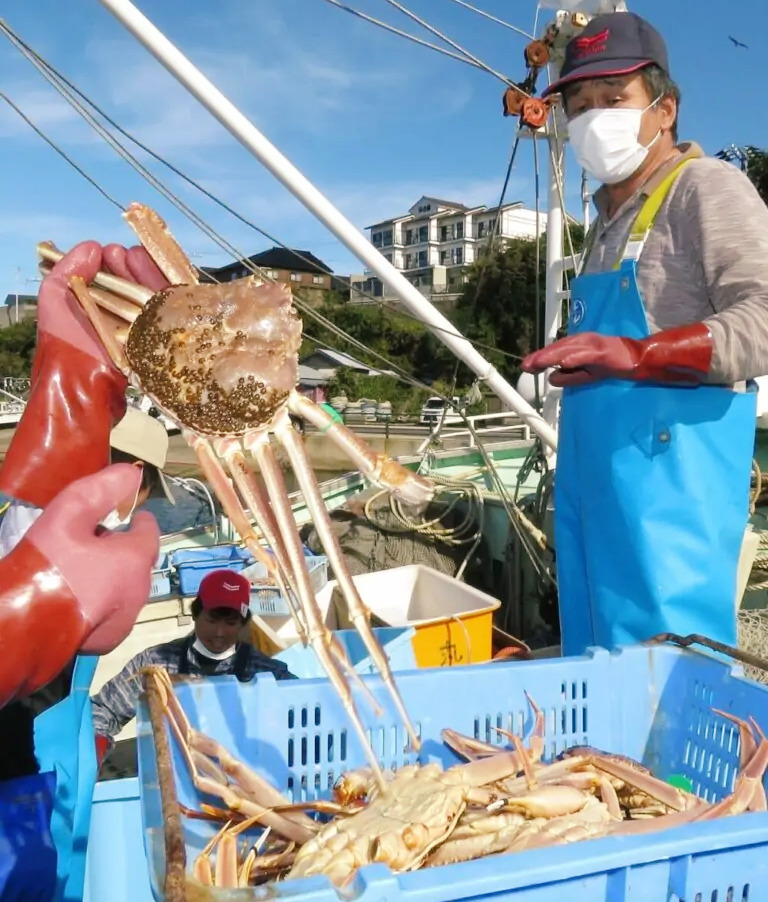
pixel 77 394
pixel 76 397
pixel 679 356
pixel 64 589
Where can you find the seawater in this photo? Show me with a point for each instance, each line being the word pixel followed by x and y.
pixel 193 510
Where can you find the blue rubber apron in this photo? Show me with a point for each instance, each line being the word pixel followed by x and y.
pixel 65 745
pixel 45 817
pixel 651 487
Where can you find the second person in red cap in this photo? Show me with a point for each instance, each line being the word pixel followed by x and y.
pixel 219 612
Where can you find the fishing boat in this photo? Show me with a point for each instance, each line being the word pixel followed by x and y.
pixel 507 467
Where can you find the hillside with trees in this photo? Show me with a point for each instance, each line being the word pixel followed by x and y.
pixel 500 307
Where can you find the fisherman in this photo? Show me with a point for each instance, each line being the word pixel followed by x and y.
pixel 668 324
pixel 69 587
pixel 219 611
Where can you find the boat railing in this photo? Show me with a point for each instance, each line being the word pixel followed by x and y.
pixel 11 411
pixel 500 425
pixel 12 398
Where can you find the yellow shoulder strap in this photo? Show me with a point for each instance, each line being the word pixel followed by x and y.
pixel 647 215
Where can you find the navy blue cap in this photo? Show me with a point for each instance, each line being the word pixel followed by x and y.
pixel 613 44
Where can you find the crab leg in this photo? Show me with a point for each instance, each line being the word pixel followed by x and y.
pixel 230 451
pixel 219 482
pixel 131 291
pixel 358 612
pixel 466 746
pixel 112 339
pixel 657 789
pixel 328 650
pixel 257 443
pixel 377 468
pixel 749 794
pixel 226 494
pixel 153 233
pixel 748 745
pixel 256 798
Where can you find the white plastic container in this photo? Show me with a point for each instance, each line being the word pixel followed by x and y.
pixel 452 621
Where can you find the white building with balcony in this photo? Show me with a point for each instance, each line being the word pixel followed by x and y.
pixel 433 242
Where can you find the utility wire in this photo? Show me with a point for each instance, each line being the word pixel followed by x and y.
pixel 439 34
pixel 50 76
pixel 16 40
pixel 482 12
pixel 60 152
pixel 404 34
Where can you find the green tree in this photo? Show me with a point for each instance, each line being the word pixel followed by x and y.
pixel 497 308
pixel 396 336
pixel 502 305
pixel 17 348
pixel 757 170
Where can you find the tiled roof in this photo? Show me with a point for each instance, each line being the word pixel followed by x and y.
pixel 279 258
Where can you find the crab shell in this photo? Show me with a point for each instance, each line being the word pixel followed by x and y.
pixel 221 359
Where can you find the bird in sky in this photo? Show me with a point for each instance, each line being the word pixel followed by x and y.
pixel 737 43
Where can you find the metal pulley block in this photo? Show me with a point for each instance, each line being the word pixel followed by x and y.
pixel 513 100
pixel 537 54
pixel 534 113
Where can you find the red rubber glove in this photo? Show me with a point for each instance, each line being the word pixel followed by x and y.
pixel 77 394
pixel 679 356
pixel 135 265
pixel 103 745
pixel 64 589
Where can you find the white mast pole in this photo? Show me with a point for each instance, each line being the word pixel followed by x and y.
pixel 553 318
pixel 251 138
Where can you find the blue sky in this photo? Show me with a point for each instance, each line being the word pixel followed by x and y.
pixel 373 120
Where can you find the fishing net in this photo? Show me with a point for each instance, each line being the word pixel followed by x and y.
pixel 753 637
pixel 376 538
pixel 753 622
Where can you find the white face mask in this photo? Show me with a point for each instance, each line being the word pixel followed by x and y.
pixel 606 142
pixel 214 656
pixel 114 521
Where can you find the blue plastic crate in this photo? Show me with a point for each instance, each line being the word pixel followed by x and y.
pixel 268 600
pixel 394 640
pixel 116 824
pixel 161 577
pixel 192 564
pixel 653 704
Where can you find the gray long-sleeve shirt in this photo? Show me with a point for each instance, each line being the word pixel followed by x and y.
pixel 115 704
pixel 705 260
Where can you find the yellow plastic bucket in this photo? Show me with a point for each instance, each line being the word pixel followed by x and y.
pixel 453 622
pixel 461 640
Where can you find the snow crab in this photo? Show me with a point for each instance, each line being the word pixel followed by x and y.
pixel 504 800
pixel 222 362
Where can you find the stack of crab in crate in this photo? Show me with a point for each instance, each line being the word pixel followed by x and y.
pixel 299 797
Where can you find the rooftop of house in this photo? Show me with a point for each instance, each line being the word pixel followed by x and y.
pixel 337 358
pixel 277 258
pixel 10 299
pixel 449 208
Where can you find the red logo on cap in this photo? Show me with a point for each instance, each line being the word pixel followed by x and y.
pixel 589 45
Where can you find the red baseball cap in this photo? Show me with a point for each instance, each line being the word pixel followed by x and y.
pixel 225 589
